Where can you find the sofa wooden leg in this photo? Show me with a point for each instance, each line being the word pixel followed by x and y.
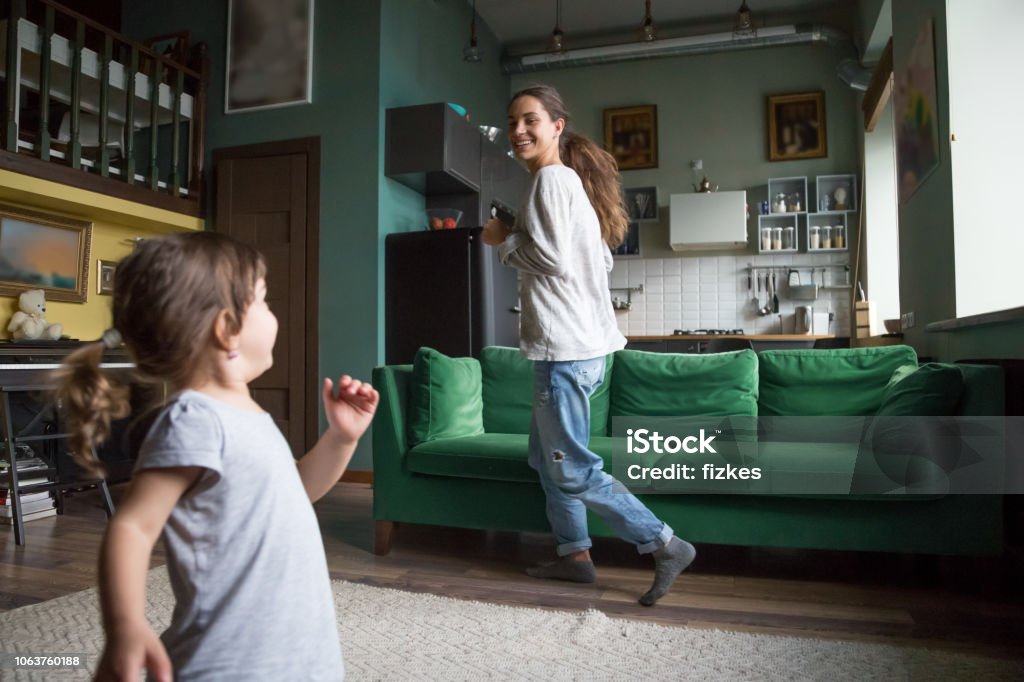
pixel 382 537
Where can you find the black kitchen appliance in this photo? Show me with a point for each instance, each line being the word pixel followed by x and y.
pixel 446 289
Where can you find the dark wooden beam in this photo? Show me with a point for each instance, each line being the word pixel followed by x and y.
pixel 879 89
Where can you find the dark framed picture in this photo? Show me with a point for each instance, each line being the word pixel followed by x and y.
pixel 269 54
pixel 41 251
pixel 641 203
pixel 796 126
pixel 631 136
pixel 105 270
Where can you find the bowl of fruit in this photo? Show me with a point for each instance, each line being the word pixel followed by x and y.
pixel 443 218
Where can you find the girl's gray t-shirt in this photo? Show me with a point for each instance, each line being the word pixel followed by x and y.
pixel 245 556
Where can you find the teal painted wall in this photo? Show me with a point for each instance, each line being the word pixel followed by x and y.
pixel 367 56
pixel 927 272
pixel 345 114
pixel 713 107
pixel 421 62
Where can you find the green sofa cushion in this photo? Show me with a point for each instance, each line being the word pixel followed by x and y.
pixel 492 456
pixel 931 390
pixel 444 397
pixel 684 385
pixel 838 382
pixel 508 392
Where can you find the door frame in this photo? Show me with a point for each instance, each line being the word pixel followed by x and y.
pixel 310 146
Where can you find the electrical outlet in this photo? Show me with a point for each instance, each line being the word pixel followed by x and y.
pixel 907 320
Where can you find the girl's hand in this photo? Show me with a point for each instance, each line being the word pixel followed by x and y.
pixel 131 649
pixel 351 411
pixel 494 232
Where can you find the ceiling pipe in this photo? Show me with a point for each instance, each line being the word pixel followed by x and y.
pixel 849 68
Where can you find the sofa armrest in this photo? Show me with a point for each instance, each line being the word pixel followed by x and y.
pixel 389 424
pixel 984 394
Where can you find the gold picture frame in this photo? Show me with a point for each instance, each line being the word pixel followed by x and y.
pixel 796 127
pixel 42 251
pixel 631 136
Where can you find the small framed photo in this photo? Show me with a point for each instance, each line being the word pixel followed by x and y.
pixel 796 127
pixel 105 270
pixel 631 136
pixel 43 251
pixel 269 54
pixel 641 203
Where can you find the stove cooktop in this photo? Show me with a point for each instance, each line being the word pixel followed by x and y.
pixel 707 332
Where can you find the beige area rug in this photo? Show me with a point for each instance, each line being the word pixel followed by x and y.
pixel 393 635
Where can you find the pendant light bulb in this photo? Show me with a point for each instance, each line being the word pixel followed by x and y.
pixel 647 28
pixel 557 43
pixel 744 24
pixel 471 53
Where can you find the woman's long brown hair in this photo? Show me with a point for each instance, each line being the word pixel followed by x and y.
pixel 167 296
pixel 596 167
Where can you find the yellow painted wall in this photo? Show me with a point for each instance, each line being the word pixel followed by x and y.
pixel 115 223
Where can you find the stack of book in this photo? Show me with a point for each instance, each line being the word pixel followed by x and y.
pixel 33 505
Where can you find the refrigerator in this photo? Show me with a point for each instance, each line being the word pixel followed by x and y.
pixel 447 290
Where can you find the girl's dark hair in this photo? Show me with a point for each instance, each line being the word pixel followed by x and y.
pixel 596 167
pixel 167 296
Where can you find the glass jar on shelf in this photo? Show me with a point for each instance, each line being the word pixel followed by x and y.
pixel 826 237
pixel 814 238
pixel 776 238
pixel 789 238
pixel 839 237
pixel 766 239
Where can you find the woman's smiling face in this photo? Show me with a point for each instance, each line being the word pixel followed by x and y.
pixel 532 133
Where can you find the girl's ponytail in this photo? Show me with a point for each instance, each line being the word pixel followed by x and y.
pixel 600 175
pixel 90 400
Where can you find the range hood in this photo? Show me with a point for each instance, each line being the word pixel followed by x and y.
pixel 703 221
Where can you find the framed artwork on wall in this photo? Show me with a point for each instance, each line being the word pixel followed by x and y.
pixel 631 136
pixel 796 127
pixel 917 115
pixel 40 251
pixel 105 270
pixel 269 54
pixel 641 203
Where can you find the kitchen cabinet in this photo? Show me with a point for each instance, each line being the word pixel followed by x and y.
pixel 434 151
pixel 649 346
pixel 431 149
pixel 501 177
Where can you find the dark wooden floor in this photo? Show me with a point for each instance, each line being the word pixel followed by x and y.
pixel 967 605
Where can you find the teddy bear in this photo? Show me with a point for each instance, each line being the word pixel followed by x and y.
pixel 30 321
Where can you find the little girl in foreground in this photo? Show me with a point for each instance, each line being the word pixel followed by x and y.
pixel 214 475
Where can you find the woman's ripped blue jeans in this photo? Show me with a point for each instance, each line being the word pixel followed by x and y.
pixel 572 476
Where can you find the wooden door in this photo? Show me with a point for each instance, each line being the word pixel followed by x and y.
pixel 268 196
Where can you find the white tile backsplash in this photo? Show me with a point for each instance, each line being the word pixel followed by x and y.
pixel 711 292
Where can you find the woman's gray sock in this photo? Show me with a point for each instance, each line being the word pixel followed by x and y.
pixel 565 569
pixel 669 562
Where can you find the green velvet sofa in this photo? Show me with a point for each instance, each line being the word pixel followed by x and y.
pixel 450 445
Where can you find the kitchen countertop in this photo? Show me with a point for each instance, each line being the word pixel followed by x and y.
pixel 752 337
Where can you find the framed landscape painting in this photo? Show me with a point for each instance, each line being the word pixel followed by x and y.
pixel 40 251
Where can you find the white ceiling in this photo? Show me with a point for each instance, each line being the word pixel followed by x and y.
pixel 516 22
